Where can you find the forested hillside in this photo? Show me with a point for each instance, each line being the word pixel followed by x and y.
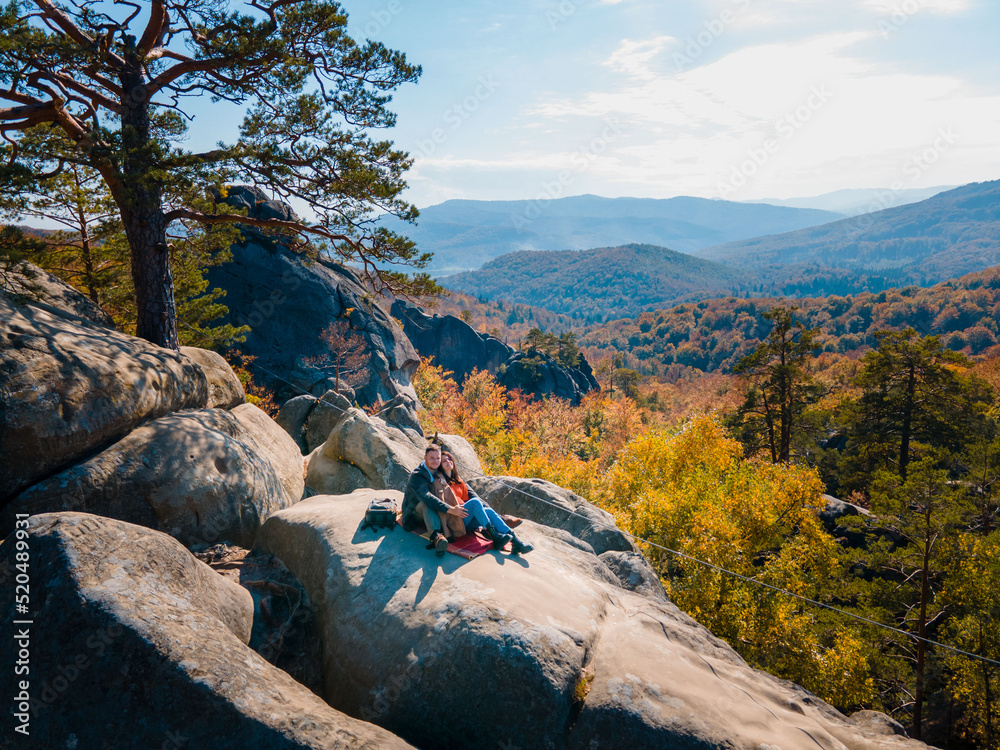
pixel 714 334
pixel 592 285
pixel 952 233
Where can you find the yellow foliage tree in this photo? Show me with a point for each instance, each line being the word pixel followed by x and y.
pixel 691 492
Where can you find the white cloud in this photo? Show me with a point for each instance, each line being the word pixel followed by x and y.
pixel 912 7
pixel 832 113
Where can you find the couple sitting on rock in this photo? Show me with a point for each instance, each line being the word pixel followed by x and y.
pixel 437 497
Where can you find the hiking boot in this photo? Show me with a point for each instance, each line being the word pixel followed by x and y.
pixel 440 542
pixel 517 547
pixel 499 540
pixel 512 521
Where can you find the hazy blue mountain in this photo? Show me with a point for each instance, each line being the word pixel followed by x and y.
pixel 465 234
pixel 953 233
pixel 855 201
pixel 609 282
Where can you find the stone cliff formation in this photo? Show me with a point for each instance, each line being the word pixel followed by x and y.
pixel 458 347
pixel 130 458
pixel 288 299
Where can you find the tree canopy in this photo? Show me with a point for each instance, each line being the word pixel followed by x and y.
pixel 115 79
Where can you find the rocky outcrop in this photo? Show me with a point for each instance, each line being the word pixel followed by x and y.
pixel 542 651
pixel 552 505
pixel 136 644
pixel 852 535
pixel 542 377
pixel 288 300
pixel 72 387
pixel 365 451
pixel 453 343
pixel 292 418
pixel 201 476
pixel 456 346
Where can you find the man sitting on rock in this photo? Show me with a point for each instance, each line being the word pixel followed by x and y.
pixel 420 504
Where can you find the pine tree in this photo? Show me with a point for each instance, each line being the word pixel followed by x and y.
pixel 914 401
pixel 778 385
pixel 113 78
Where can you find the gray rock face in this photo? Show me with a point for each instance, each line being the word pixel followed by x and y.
pixel 551 505
pixel 878 723
pixel 136 644
pixel 225 390
pixel 635 574
pixel 458 347
pixel 326 412
pixel 452 342
pixel 547 378
pixel 292 418
pixel 831 516
pixel 55 295
pixel 200 476
pixel 71 387
pixel 544 651
pixel 288 301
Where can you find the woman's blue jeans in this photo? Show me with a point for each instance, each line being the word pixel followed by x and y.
pixel 482 515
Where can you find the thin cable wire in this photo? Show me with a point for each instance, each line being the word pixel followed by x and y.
pixel 684 555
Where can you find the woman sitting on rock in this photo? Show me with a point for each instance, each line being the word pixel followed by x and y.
pixel 453 490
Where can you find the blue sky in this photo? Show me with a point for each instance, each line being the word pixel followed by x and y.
pixel 736 99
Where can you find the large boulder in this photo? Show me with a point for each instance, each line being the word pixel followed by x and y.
pixel 276 447
pixel 200 476
pixel 323 417
pixel 555 506
pixel 225 390
pixel 364 451
pixel 289 299
pixel 456 346
pixel 134 643
pixel 544 651
pixel 292 418
pixel 72 387
pixel 52 293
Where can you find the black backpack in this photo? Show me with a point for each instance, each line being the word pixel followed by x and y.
pixel 381 513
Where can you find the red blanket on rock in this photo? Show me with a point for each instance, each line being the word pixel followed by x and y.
pixel 469 546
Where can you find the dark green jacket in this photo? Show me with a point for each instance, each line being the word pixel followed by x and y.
pixel 420 489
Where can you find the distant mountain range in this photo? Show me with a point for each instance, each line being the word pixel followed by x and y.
pixel 950 234
pixel 856 201
pixel 465 234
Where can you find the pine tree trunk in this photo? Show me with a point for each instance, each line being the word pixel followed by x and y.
pixel 907 427
pixel 143 217
pixel 918 697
